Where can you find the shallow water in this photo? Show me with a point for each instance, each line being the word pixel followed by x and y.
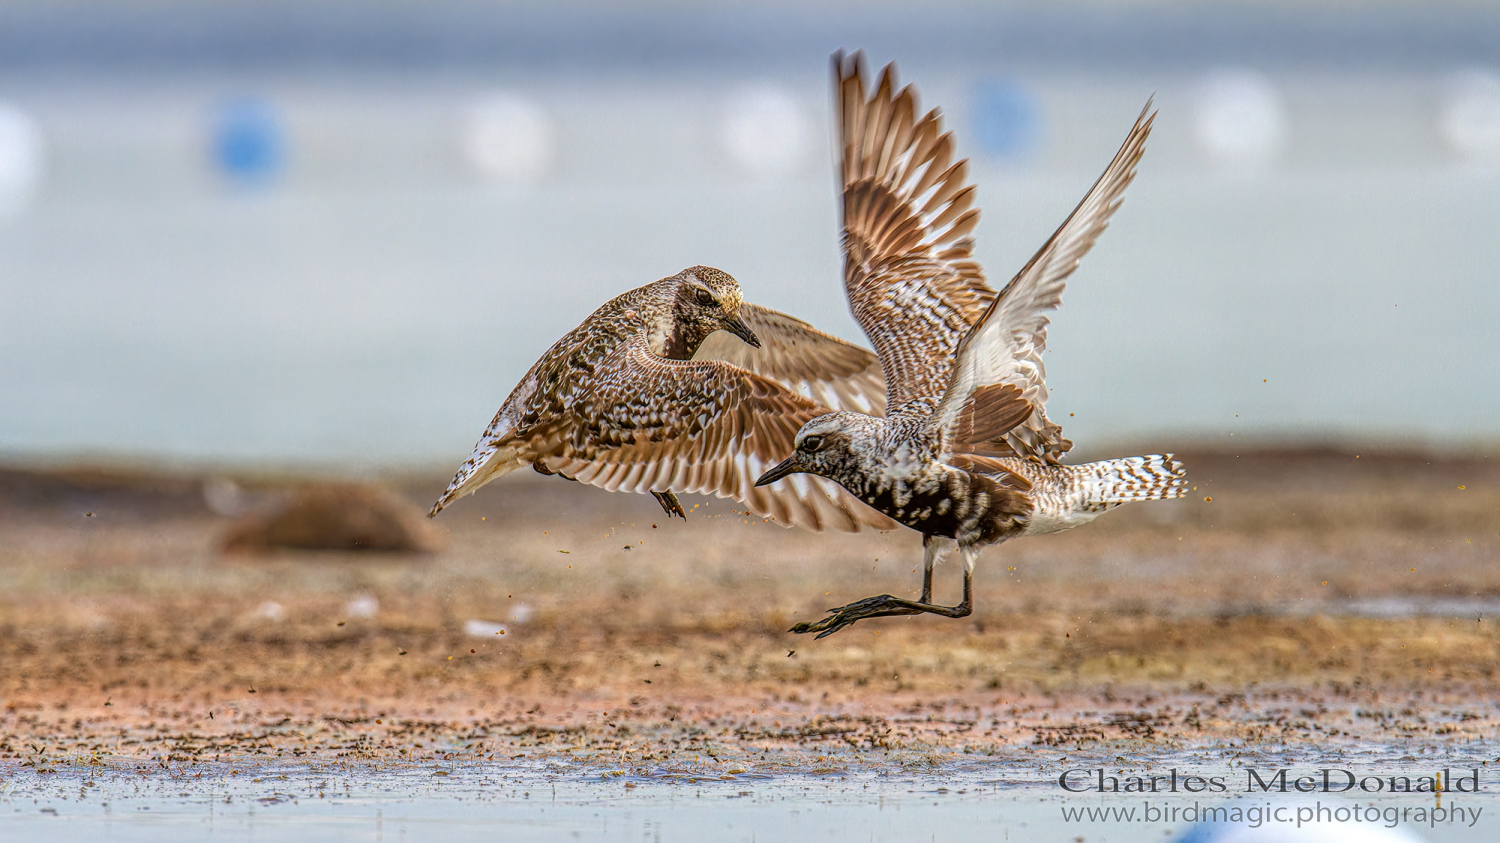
pixel 997 799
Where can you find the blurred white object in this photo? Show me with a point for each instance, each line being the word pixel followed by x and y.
pixel 1242 118
pixel 510 139
pixel 224 497
pixel 520 613
pixel 766 132
pixel 271 611
pixel 1470 116
pixel 21 154
pixel 363 606
pixel 479 628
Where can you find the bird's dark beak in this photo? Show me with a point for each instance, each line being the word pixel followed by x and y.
pixel 787 466
pixel 735 325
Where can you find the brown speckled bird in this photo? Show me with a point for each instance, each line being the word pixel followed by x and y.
pixel 645 396
pixel 965 453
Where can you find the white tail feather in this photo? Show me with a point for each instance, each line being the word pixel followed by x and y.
pixel 1069 495
pixel 1156 477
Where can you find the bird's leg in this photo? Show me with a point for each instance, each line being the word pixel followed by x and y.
pixel 934 548
pixel 966 607
pixel 669 503
pixel 885 605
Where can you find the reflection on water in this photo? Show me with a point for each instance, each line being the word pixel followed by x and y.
pixel 534 802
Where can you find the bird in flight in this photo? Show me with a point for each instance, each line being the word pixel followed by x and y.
pixel 965 453
pixel 651 394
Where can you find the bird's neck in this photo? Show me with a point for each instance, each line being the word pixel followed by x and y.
pixel 675 338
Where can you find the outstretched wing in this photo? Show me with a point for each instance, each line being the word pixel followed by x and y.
pixel 824 368
pixel 996 401
pixel 652 424
pixel 909 272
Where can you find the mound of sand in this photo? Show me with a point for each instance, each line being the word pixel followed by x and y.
pixel 338 516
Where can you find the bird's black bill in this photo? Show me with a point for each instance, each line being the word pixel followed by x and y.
pixel 735 325
pixel 787 466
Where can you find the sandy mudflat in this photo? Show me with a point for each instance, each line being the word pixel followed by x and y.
pixel 1317 600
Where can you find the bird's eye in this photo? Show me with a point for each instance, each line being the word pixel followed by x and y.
pixel 706 298
pixel 812 443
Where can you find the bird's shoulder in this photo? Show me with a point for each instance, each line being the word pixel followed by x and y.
pixel 577 365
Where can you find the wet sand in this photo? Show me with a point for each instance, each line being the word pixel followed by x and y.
pixel 1333 605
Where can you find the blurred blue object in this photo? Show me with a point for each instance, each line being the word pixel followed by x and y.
pixel 1007 119
pixel 1374 829
pixel 249 141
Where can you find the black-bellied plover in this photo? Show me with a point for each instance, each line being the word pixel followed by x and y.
pixel 965 453
pixel 641 397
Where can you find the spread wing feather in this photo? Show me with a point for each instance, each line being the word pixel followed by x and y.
pixel 703 426
pixel 908 212
pixel 1002 355
pixel 826 369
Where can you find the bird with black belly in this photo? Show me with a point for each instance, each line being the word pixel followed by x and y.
pixel 965 453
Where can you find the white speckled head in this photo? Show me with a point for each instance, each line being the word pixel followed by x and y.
pixel 829 446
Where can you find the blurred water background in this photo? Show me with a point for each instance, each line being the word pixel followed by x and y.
pixel 336 234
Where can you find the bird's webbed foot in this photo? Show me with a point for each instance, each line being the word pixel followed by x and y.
pixel 670 504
